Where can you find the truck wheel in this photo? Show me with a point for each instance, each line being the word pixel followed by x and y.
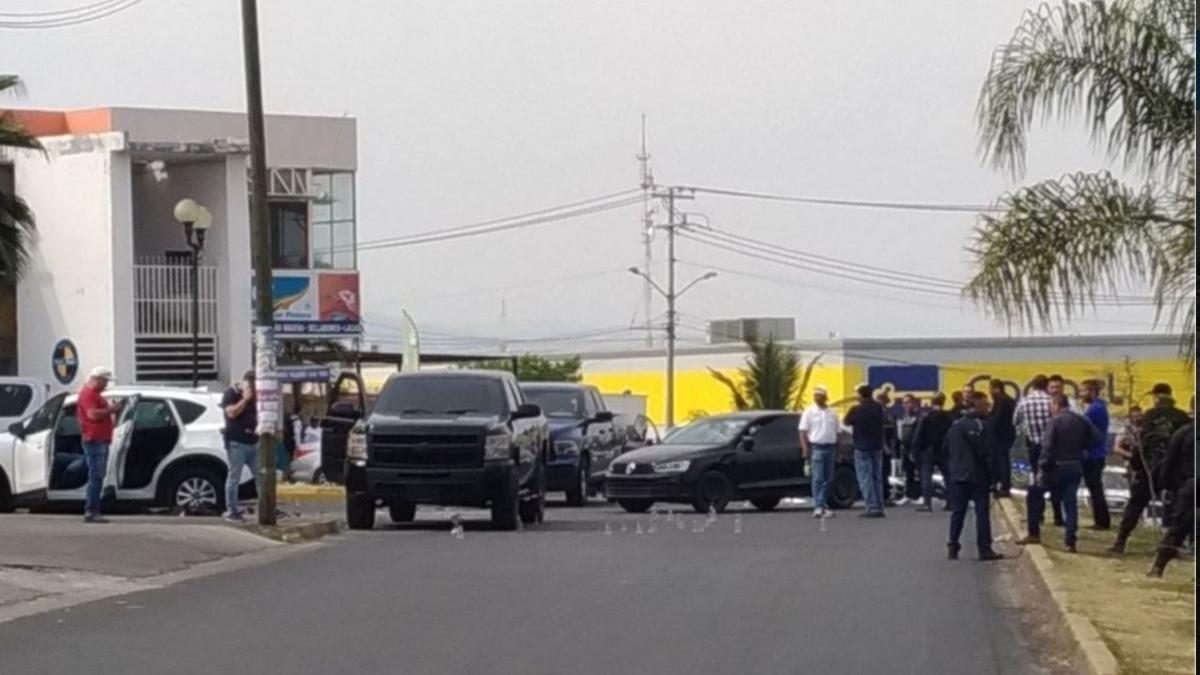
pixel 534 510
pixel 360 511
pixel 402 511
pixel 712 491
pixel 636 505
pixel 843 490
pixel 577 493
pixel 505 505
pixel 765 503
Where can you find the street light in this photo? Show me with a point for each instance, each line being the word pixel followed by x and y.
pixel 195 220
pixel 671 296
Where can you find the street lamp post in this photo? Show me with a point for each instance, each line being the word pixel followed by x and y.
pixel 195 220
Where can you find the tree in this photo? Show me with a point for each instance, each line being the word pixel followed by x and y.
pixel 772 378
pixel 534 368
pixel 1129 68
pixel 16 218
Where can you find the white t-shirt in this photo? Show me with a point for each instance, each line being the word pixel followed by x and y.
pixel 820 424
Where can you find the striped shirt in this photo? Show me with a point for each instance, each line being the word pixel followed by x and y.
pixel 1033 416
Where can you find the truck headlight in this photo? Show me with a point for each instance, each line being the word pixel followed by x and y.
pixel 356 445
pixel 566 449
pixel 672 467
pixel 497 446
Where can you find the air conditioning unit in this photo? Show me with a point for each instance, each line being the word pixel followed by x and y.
pixel 751 330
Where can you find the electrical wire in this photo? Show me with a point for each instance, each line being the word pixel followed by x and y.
pixel 853 203
pixel 539 284
pixel 69 11
pixel 66 18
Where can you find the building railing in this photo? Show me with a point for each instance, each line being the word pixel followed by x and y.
pixel 162 298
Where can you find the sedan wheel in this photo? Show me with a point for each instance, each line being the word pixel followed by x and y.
pixel 195 494
pixel 712 491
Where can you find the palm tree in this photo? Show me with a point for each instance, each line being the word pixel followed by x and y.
pixel 16 218
pixel 1052 248
pixel 772 378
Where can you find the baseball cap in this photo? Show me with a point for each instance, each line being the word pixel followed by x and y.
pixel 102 372
pixel 820 390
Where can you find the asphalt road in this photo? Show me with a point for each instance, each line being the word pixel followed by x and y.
pixel 781 596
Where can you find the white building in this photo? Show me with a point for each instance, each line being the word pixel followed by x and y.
pixel 108 280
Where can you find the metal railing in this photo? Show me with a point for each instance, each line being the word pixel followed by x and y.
pixel 162 298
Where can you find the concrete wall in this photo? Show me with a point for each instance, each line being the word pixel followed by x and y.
pixel 292 140
pixel 232 241
pixel 70 288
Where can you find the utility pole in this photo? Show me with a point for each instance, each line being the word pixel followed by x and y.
pixel 267 386
pixel 647 234
pixel 670 307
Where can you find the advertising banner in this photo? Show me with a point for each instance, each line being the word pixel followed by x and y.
pixel 312 303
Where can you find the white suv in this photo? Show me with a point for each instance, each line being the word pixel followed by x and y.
pixel 167 451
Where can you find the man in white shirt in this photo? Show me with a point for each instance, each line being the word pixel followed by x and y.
pixel 819 426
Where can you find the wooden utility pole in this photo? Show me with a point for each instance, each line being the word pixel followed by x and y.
pixel 260 237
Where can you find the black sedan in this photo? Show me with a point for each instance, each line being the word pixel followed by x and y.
pixel 715 460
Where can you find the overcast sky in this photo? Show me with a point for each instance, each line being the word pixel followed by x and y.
pixel 469 111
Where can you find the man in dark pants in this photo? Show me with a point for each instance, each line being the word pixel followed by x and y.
pixel 866 420
pixel 1031 419
pixel 890 444
pixel 969 454
pixel 1157 427
pixel 1096 411
pixel 1178 476
pixel 1004 434
pixel 1065 444
pixel 906 428
pixel 929 443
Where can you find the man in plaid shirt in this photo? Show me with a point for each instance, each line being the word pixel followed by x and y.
pixel 1032 418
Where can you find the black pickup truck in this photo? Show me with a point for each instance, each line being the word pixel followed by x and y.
pixel 453 438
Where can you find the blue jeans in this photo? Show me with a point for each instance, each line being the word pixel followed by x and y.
pixel 240 455
pixel 870 478
pixel 822 472
pixel 96 455
pixel 980 494
pixel 1063 481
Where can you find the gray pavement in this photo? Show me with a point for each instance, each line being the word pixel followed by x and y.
pixel 782 596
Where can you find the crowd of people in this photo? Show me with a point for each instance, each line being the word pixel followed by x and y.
pixel 970 443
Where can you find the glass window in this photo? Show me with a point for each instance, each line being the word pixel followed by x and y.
pixel 343 196
pixel 14 399
pixel 781 432
pixel 714 431
pixel 153 414
pixel 333 207
pixel 442 395
pixel 44 417
pixel 188 411
pixel 68 422
pixel 289 234
pixel 564 403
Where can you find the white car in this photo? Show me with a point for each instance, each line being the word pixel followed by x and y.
pixel 167 451
pixel 19 396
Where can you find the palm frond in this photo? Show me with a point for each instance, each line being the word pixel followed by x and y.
pixel 739 402
pixel 16 234
pixel 805 378
pixel 1125 65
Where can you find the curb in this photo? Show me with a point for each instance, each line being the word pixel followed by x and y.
pixel 1097 657
pixel 292 533
pixel 310 492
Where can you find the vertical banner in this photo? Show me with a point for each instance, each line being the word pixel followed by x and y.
pixel 411 356
pixel 266 381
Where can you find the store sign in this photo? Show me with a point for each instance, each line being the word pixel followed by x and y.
pixel 316 303
pixel 64 361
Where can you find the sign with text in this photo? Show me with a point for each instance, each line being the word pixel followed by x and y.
pixel 315 302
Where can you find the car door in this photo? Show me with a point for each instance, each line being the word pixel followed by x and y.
pixel 346 406
pixel 19 397
pixel 606 444
pixel 66 444
pixel 30 445
pixel 774 460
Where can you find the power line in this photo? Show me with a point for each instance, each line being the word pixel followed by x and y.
pixel 853 203
pixel 541 284
pixel 65 18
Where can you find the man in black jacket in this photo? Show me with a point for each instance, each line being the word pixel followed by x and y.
pixel 969 454
pixel 1064 447
pixel 1004 434
pixel 928 442
pixel 1178 476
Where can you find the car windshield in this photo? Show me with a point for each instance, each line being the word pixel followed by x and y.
pixel 442 396
pixel 564 403
pixel 706 432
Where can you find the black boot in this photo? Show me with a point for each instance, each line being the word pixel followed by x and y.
pixel 1118 547
pixel 1165 555
pixel 952 551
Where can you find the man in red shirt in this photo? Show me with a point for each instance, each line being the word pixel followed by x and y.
pixel 96 416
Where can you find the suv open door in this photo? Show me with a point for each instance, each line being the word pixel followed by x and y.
pixel 346 405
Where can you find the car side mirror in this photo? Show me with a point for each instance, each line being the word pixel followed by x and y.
pixel 649 441
pixel 747 444
pixel 526 410
pixel 604 416
pixel 17 429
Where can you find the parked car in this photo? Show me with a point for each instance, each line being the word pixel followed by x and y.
pixel 306 466
pixel 452 438
pixel 167 451
pixel 345 407
pixel 584 437
pixel 715 460
pixel 19 396
pixel 640 431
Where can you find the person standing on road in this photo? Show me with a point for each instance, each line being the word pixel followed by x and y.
pixel 930 444
pixel 818 441
pixel 1004 434
pixel 866 419
pixel 1064 446
pixel 1032 418
pixel 906 428
pixel 890 442
pixel 1155 430
pixel 1178 476
pixel 1096 412
pixel 241 440
pixel 96 417
pixel 969 454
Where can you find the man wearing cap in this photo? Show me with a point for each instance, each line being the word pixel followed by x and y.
pixel 96 417
pixel 241 439
pixel 818 441
pixel 1157 427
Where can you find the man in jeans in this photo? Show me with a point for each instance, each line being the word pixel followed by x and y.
pixel 866 419
pixel 818 441
pixel 96 417
pixel 1096 411
pixel 1031 419
pixel 241 440
pixel 1065 444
